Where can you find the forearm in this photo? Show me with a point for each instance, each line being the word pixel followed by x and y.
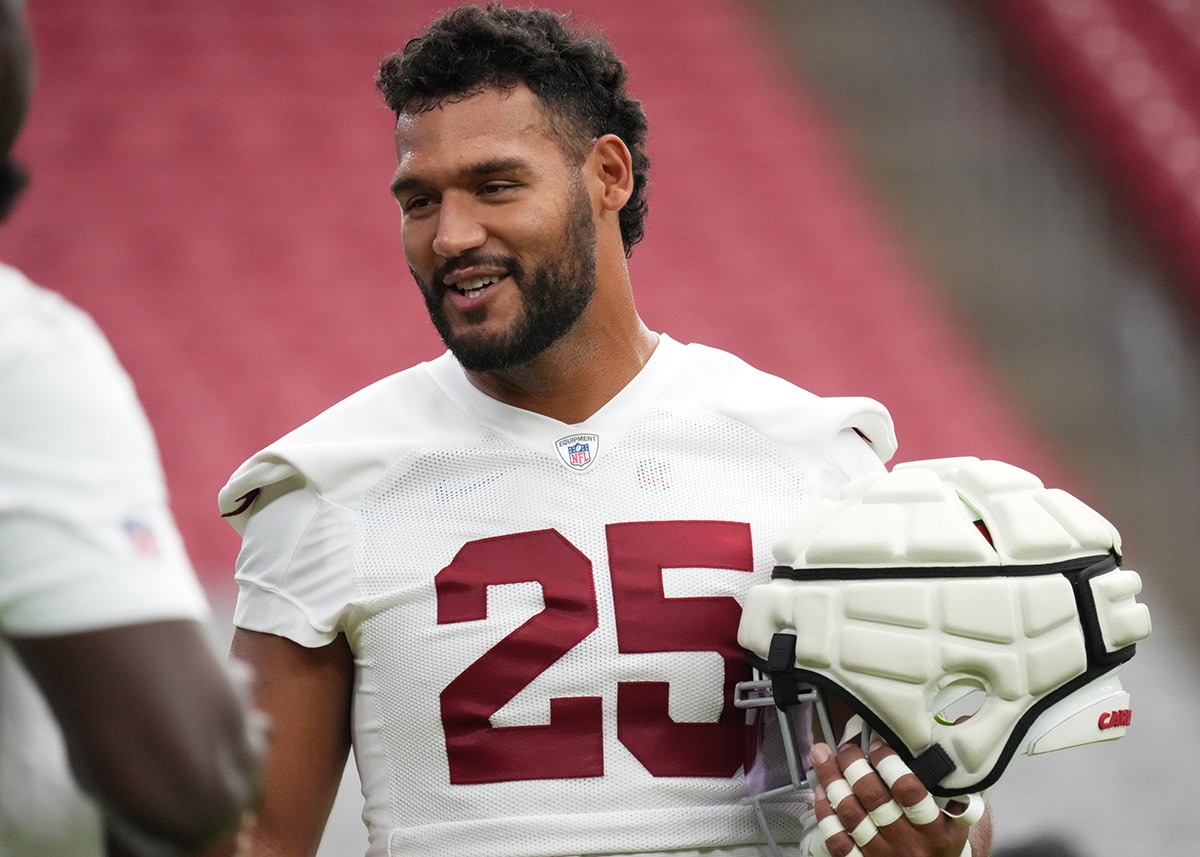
pixel 226 846
pixel 305 692
pixel 154 728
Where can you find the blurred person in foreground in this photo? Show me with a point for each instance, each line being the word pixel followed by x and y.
pixel 99 606
pixel 510 577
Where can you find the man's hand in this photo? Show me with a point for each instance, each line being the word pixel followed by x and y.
pixel 876 807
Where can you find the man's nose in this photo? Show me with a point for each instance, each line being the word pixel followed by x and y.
pixel 458 228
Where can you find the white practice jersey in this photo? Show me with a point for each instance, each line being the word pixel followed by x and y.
pixel 544 616
pixel 86 541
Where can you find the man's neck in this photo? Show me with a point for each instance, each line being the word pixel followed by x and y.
pixel 575 377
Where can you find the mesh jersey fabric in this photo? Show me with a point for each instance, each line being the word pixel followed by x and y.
pixel 545 643
pixel 86 541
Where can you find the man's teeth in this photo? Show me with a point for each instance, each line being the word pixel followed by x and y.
pixel 474 287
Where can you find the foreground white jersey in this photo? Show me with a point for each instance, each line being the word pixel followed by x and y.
pixel 86 541
pixel 543 616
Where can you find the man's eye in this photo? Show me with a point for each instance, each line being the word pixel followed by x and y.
pixel 415 203
pixel 496 187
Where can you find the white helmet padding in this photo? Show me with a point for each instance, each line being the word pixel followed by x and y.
pixel 947 578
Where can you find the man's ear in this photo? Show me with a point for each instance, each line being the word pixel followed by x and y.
pixel 611 165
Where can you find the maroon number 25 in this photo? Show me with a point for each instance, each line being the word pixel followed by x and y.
pixel 571 745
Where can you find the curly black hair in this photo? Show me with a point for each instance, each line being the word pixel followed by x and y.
pixel 576 76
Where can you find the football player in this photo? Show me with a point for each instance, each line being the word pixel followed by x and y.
pixel 99 608
pixel 510 578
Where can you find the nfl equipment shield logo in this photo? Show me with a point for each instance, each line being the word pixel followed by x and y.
pixel 578 450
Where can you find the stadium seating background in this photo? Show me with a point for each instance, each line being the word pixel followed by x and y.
pixel 210 182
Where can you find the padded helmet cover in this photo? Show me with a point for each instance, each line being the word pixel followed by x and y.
pixel 950 577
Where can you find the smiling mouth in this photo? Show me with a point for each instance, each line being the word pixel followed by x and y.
pixel 474 287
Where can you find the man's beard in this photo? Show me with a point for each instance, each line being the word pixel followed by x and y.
pixel 553 298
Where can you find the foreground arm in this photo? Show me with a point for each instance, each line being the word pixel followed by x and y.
pixel 154 728
pixel 305 693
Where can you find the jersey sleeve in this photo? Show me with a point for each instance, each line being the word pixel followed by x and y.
pixel 296 505
pixel 295 569
pixel 87 540
pixel 866 436
pixel 848 435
